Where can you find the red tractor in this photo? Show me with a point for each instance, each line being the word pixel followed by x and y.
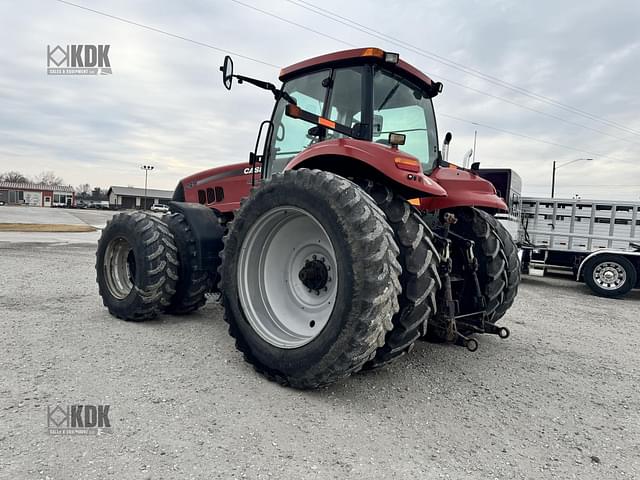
pixel 345 238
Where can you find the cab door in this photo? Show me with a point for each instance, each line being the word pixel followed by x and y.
pixel 291 136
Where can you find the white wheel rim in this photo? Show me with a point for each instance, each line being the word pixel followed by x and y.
pixel 609 275
pixel 287 277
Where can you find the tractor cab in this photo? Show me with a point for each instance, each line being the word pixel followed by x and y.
pixel 362 94
pixel 365 94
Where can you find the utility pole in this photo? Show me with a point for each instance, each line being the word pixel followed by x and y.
pixel 146 169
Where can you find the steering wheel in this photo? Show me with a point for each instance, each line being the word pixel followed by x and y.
pixel 280 136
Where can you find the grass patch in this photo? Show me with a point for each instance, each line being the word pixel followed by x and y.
pixel 39 227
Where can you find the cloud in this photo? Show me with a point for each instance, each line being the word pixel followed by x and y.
pixel 165 105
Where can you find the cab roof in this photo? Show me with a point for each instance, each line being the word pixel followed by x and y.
pixel 355 56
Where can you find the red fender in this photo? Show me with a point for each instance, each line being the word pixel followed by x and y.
pixel 380 157
pixel 464 189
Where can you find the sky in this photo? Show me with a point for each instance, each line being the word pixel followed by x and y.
pixel 572 71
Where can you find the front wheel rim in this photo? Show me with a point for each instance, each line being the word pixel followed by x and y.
pixel 119 268
pixel 287 277
pixel 609 275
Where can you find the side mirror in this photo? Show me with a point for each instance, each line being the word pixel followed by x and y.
pixel 227 72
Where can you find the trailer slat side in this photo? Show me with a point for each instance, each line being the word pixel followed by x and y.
pixel 591 224
pixel 612 226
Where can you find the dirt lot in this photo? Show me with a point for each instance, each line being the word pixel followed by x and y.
pixel 559 399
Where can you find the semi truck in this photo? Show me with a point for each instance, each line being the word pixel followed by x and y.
pixel 596 241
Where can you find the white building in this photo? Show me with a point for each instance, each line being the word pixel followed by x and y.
pixel 133 198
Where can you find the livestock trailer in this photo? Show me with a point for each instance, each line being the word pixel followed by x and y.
pixel 598 241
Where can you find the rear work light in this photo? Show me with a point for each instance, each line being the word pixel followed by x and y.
pixel 408 164
pixel 388 57
pixel 391 57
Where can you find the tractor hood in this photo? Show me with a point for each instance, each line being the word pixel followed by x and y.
pixel 349 157
pixel 464 188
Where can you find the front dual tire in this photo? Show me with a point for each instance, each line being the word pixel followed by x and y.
pixel 146 265
pixel 136 266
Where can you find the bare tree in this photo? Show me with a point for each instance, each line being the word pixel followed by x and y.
pixel 13 176
pixel 48 178
pixel 83 190
pixel 99 193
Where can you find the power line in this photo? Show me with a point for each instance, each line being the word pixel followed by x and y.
pixel 586 185
pixel 339 40
pixel 456 65
pixel 320 33
pixel 521 135
pixel 169 34
pixel 546 114
pixel 291 22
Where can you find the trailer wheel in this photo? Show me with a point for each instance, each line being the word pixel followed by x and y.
pixel 309 278
pixel 419 279
pixel 610 275
pixel 192 284
pixel 136 266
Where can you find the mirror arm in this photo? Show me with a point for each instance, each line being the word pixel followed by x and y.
pixel 282 94
pixel 258 83
pixel 278 94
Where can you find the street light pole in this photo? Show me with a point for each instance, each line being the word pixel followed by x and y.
pixel 553 174
pixel 146 169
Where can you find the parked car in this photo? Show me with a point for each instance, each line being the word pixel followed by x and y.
pixel 159 207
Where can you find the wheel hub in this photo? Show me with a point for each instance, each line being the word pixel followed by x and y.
pixel 315 274
pixel 609 275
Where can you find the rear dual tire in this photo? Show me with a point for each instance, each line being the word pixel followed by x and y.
pixel 498 266
pixel 352 243
pixel 420 279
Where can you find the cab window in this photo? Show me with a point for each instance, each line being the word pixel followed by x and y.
pixel 345 104
pixel 401 107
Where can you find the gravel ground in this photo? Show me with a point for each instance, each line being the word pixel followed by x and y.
pixel 559 399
